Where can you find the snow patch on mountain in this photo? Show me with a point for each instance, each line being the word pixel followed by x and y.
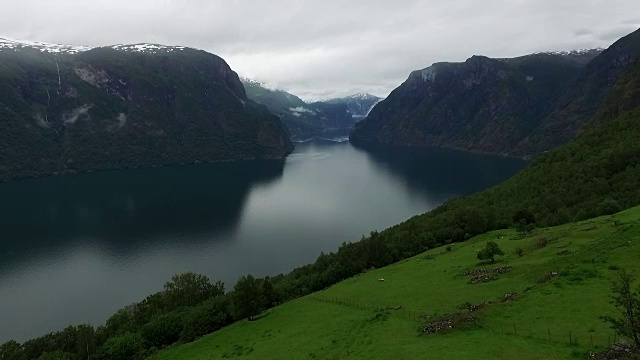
pixel 15 45
pixel 147 48
pixel 252 82
pixel 362 96
pixel 572 52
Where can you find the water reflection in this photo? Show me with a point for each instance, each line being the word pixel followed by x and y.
pixel 441 174
pixel 131 207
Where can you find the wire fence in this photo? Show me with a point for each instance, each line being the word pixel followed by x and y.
pixel 581 338
pixel 396 311
pixel 584 338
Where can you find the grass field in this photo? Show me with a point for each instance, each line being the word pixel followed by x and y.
pixel 553 319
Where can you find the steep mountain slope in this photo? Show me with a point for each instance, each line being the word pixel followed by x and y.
pixel 597 173
pixel 301 118
pixel 359 105
pixel 581 101
pixel 484 105
pixel 66 109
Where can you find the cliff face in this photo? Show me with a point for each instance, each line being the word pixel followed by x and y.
pixel 483 105
pixel 126 106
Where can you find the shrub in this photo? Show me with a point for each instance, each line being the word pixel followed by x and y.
pixel 520 252
pixel 608 207
pixel 125 346
pixel 210 316
pixel 163 330
pixel 490 251
pixel 541 242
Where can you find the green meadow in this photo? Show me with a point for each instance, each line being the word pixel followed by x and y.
pixel 548 306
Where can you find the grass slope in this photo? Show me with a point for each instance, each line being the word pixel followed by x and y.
pixel 346 320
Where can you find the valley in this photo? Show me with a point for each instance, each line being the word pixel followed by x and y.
pixel 160 203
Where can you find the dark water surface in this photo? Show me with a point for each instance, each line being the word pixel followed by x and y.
pixel 74 249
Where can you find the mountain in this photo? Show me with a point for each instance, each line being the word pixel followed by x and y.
pixel 482 105
pixel 582 100
pixel 66 109
pixel 301 118
pixel 359 105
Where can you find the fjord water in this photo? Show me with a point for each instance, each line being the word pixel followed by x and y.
pixel 74 249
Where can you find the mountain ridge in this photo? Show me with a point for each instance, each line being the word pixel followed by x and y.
pixel 481 105
pixel 123 107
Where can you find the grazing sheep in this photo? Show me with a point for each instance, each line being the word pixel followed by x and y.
pixel 381 279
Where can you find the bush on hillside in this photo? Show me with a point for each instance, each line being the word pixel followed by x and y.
pixel 490 251
pixel 206 318
pixel 126 346
pixel 163 330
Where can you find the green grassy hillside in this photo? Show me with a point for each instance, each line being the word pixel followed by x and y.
pixel 550 317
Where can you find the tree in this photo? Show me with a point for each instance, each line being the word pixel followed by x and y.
pixel 190 289
pixel 524 221
pixel 11 350
pixel 125 346
pixel 86 335
pixel 627 302
pixel 269 295
pixel 206 318
pixel 56 355
pixel 490 251
pixel 163 330
pixel 246 299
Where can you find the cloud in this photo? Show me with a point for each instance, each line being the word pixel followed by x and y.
pixel 582 32
pixel 319 49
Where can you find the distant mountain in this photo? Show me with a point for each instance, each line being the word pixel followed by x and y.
pixel 359 105
pixel 482 105
pixel 67 108
pixel 300 118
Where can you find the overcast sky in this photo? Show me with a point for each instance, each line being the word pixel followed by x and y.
pixel 319 49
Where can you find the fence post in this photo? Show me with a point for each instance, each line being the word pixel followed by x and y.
pixel 515 332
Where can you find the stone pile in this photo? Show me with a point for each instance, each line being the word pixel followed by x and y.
pixel 486 275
